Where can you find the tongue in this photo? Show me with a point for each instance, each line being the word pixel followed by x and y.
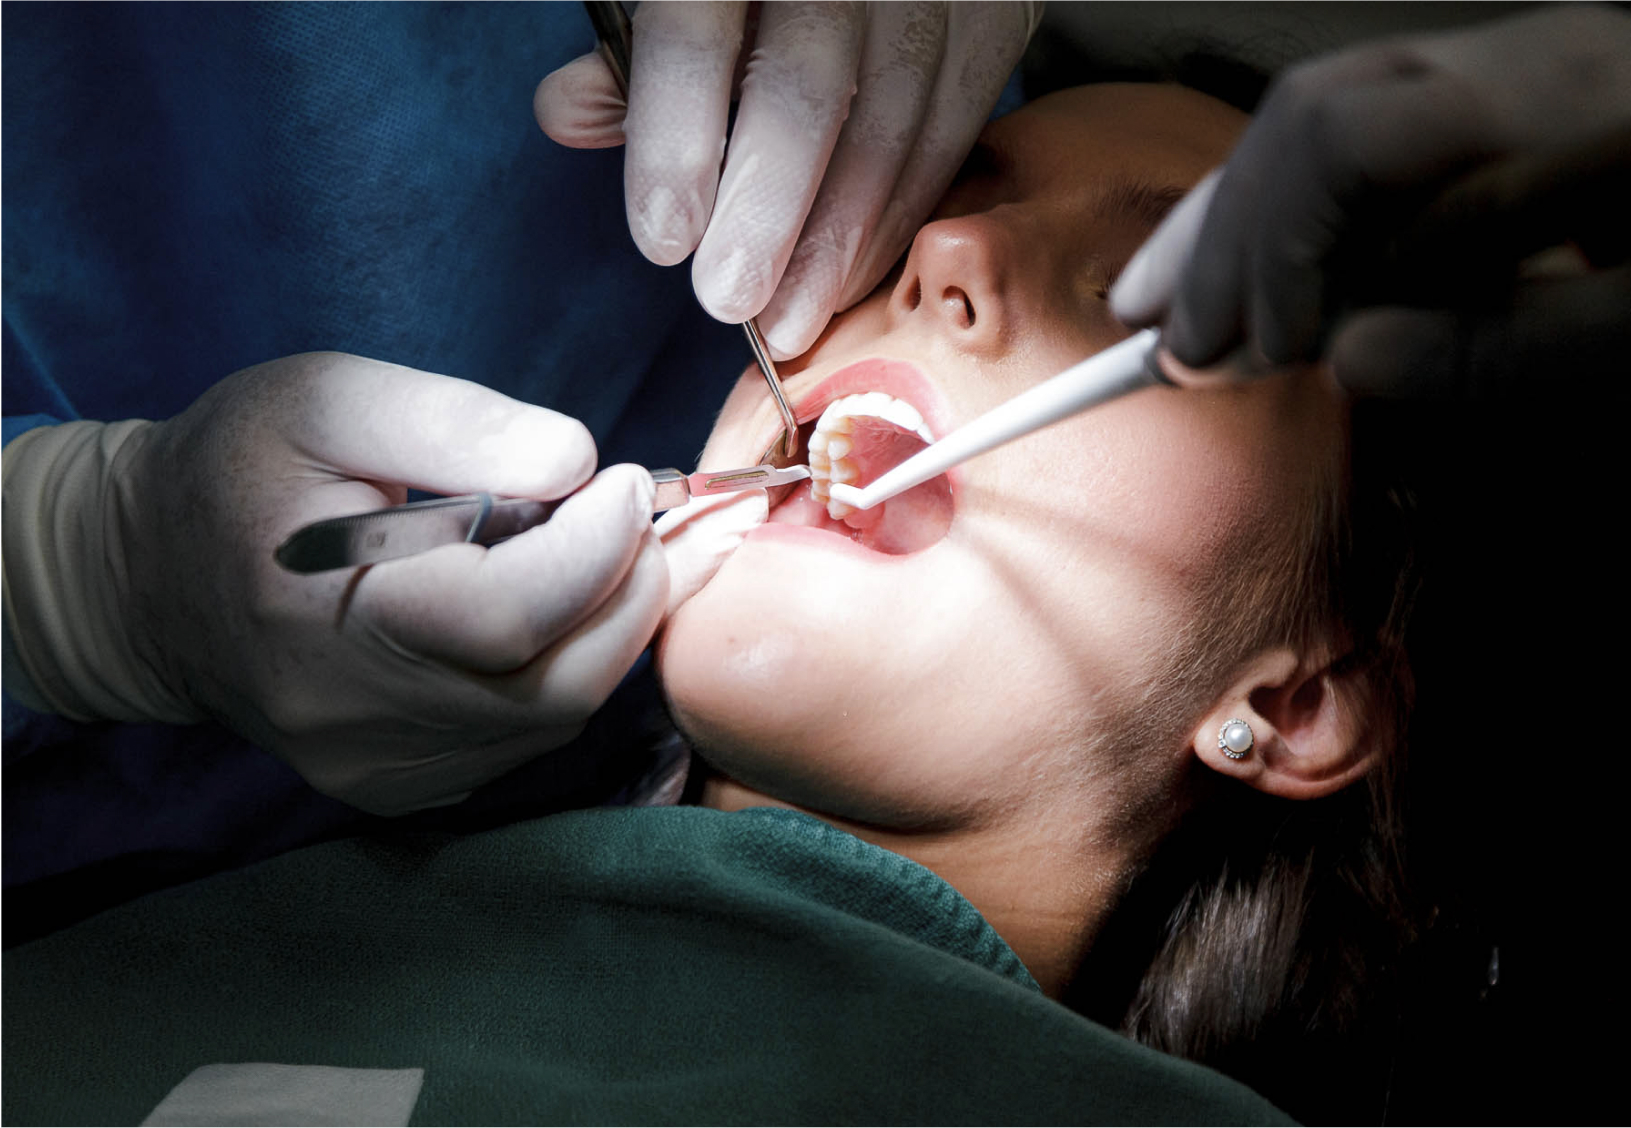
pixel 909 522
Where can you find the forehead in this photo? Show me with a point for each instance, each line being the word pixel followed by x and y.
pixel 1166 134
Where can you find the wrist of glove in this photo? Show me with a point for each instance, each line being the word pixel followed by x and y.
pixel 67 593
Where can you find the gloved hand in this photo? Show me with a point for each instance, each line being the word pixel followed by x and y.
pixel 140 583
pixel 915 81
pixel 1409 185
pixel 700 536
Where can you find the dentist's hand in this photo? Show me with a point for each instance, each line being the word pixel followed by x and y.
pixel 853 120
pixel 393 687
pixel 1409 184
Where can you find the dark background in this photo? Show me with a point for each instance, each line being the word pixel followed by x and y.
pixel 1512 1005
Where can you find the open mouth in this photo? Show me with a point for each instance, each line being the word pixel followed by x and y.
pixel 853 432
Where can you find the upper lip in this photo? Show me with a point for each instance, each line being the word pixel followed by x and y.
pixel 898 378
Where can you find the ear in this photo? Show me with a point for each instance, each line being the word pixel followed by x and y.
pixel 1309 720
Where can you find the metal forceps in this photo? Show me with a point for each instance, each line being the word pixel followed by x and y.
pixel 419 526
pixel 616 34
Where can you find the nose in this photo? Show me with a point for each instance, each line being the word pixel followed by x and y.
pixel 988 280
pixel 962 276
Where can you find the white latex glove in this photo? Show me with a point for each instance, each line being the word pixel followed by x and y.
pixel 140 583
pixel 853 120
pixel 700 536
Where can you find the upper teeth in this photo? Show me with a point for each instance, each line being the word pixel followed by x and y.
pixel 831 444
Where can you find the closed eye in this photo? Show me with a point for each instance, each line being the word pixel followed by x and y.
pixel 1136 205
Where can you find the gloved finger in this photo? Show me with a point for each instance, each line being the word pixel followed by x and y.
pixel 900 59
pixel 494 610
pixel 1287 193
pixel 1145 286
pixel 1569 332
pixel 680 73
pixel 382 422
pixel 795 96
pixel 576 675
pixel 549 700
pixel 1370 137
pixel 1468 239
pixel 984 43
pixel 701 535
pixel 440 778
pixel 580 106
pixel 525 711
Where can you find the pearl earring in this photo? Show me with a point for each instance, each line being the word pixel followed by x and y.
pixel 1235 739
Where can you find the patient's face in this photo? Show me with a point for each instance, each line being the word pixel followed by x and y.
pixel 998 634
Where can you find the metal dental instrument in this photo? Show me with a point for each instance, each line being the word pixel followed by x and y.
pixel 406 530
pixel 1119 369
pixel 616 36
pixel 767 366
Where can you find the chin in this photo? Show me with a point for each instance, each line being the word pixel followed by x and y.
pixel 779 695
pixel 737 677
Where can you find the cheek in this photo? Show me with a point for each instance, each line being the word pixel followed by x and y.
pixel 952 686
pixel 1158 485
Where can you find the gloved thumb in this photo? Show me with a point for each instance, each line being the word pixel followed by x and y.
pixel 700 536
pixel 580 106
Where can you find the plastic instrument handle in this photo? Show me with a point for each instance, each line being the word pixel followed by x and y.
pixel 1121 368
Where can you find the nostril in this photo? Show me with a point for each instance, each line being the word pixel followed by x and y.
pixel 914 295
pixel 958 306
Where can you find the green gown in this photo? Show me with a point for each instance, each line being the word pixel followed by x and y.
pixel 635 965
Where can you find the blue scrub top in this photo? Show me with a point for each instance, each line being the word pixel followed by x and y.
pixel 194 188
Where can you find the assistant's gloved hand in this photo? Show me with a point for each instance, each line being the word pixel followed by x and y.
pixel 853 115
pixel 140 583
pixel 1410 185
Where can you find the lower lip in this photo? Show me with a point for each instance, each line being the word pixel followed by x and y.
pixel 903 526
pixel 825 540
pixel 801 519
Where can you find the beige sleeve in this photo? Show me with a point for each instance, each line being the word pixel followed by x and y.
pixel 64 579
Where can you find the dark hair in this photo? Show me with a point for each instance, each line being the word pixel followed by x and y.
pixel 1264 932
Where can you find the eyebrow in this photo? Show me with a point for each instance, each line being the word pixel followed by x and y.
pixel 1136 201
pixel 1139 200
